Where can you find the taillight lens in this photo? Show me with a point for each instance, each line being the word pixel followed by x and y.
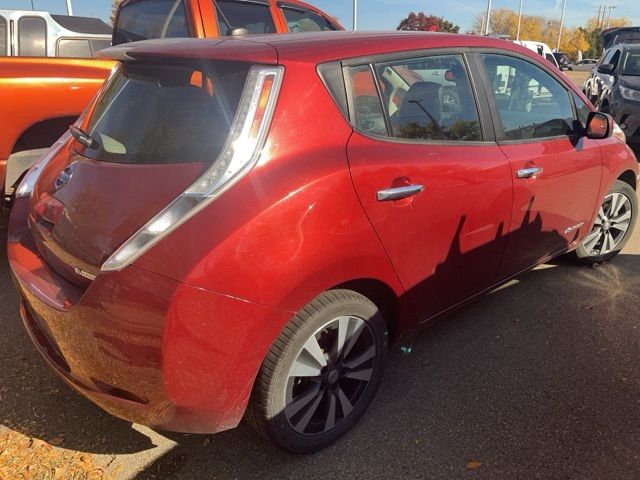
pixel 240 153
pixel 31 178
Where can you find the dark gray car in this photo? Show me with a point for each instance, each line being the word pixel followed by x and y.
pixel 614 88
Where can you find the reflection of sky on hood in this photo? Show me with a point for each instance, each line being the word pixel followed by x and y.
pixel 386 14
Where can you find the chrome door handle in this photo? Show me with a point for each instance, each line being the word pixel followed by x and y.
pixel 398 192
pixel 528 172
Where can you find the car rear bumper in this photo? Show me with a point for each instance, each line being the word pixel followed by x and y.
pixel 143 347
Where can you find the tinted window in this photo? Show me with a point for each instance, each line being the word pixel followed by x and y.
pixel 166 114
pixel 75 48
pixel 305 21
pixel 631 64
pixel 582 110
pixel 615 58
pixel 430 98
pixel 531 103
pixel 146 19
pixel 32 37
pixel 253 16
pixel 368 115
pixel 3 37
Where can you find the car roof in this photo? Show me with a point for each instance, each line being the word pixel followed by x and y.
pixel 311 47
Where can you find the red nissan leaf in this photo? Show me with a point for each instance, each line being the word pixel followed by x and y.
pixel 242 227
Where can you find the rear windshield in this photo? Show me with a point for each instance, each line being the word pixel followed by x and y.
pixel 166 114
pixel 146 19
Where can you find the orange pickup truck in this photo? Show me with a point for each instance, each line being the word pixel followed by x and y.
pixel 41 97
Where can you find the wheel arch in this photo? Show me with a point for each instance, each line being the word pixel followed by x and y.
pixel 382 295
pixel 43 133
pixel 630 178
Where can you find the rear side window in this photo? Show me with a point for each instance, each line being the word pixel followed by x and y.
pixel 367 114
pixel 3 37
pixel 74 48
pixel 97 45
pixel 430 98
pixel 299 20
pixel 255 17
pixel 530 102
pixel 32 37
pixel 146 19
pixel 166 114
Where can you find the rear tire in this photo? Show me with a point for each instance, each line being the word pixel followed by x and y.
pixel 614 224
pixel 321 373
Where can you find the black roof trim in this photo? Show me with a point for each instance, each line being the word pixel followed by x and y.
pixel 87 25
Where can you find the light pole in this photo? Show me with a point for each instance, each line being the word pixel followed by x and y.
pixel 486 29
pixel 355 14
pixel 69 8
pixel 611 7
pixel 564 4
pixel 519 20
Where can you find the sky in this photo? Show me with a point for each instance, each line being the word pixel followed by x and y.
pixel 386 14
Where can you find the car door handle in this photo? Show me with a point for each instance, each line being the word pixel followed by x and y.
pixel 528 172
pixel 398 192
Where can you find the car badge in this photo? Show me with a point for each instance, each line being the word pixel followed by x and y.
pixel 64 177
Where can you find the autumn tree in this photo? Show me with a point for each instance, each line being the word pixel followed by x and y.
pixel 114 9
pixel 427 23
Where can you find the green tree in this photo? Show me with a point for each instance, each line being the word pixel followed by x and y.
pixel 427 23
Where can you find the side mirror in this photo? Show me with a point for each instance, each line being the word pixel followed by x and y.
pixel 606 68
pixel 599 126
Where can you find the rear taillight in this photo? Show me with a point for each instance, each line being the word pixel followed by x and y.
pixel 239 155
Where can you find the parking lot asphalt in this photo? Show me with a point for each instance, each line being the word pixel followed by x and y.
pixel 538 379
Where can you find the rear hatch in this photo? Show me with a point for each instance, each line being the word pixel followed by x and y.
pixel 156 126
pixel 614 36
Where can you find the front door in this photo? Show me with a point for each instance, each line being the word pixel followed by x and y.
pixel 438 195
pixel 556 170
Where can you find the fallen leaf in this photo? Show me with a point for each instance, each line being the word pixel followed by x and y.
pixel 473 464
pixel 56 441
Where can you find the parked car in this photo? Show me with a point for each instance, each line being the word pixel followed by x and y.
pixel 563 61
pixel 27 33
pixel 41 97
pixel 243 227
pixel 614 87
pixel 584 65
pixel 540 48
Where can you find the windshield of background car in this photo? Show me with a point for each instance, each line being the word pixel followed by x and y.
pixel 145 19
pixel 150 113
pixel 631 63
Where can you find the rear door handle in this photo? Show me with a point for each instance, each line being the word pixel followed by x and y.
pixel 528 172
pixel 398 192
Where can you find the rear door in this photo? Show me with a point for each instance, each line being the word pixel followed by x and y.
pixel 556 170
pixel 433 182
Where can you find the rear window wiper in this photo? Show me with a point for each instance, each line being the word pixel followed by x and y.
pixel 84 138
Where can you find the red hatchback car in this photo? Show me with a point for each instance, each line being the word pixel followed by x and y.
pixel 240 227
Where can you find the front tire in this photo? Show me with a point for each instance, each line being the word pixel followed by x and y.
pixel 321 373
pixel 613 226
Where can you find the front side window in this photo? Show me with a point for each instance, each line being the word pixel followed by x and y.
pixel 255 17
pixel 3 37
pixel 615 59
pixel 74 48
pixel 32 37
pixel 146 19
pixel 530 102
pixel 430 99
pixel 582 110
pixel 631 64
pixel 299 20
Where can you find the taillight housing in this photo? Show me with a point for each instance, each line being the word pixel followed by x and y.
pixel 49 208
pixel 240 153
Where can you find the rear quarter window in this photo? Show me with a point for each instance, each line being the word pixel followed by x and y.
pixel 147 19
pixel 166 114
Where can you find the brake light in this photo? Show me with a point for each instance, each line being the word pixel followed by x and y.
pixel 239 155
pixel 49 208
